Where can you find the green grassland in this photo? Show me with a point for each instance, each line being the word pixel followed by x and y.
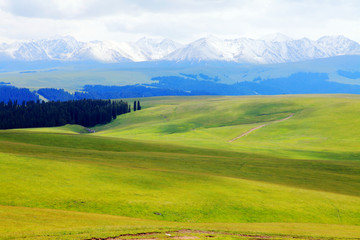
pixel 171 166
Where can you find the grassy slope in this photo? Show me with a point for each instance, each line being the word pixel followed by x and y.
pixel 248 181
pixel 323 127
pixel 67 129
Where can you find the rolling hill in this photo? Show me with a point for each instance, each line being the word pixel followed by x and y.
pixel 171 167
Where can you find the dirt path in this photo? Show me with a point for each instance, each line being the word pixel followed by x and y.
pixel 255 128
pixel 188 234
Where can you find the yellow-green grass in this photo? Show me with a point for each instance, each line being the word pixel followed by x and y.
pixel 67 129
pixel 38 223
pixel 137 185
pixel 323 126
pixel 173 158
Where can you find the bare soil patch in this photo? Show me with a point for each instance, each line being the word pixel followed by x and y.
pixel 258 127
pixel 193 234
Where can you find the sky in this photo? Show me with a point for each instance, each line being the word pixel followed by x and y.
pixel 180 20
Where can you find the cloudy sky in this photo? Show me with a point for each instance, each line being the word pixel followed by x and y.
pixel 181 20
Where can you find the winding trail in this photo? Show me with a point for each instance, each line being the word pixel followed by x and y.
pixel 255 128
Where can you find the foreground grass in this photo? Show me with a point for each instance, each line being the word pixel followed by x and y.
pixel 170 166
pixel 35 223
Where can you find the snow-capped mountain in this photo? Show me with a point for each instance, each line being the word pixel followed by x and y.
pixel 109 51
pixel 276 48
pixel 63 48
pixel 156 49
pixel 204 49
pixel 338 45
pixel 277 37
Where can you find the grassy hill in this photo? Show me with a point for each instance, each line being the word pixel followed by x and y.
pixel 171 166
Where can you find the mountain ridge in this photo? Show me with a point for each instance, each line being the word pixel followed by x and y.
pixel 270 49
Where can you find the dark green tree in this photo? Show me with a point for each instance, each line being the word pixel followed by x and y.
pixel 40 114
pixel 138 105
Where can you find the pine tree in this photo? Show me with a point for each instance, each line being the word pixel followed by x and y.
pixel 138 105
pixel 134 106
pixel 40 114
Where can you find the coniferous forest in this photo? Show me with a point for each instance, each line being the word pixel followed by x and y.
pixel 12 93
pixel 85 112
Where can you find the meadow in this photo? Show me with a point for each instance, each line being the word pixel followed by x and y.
pixel 170 168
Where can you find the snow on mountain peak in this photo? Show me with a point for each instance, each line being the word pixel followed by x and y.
pixel 276 37
pixel 67 38
pixel 338 45
pixel 148 41
pixel 203 49
pixel 275 48
pixel 156 49
pixel 334 38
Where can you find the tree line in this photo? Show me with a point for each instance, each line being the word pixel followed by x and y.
pixel 108 92
pixel 84 112
pixel 12 93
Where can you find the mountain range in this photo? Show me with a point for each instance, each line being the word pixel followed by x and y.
pixel 276 48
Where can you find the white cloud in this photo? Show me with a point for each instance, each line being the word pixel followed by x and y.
pixel 182 20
